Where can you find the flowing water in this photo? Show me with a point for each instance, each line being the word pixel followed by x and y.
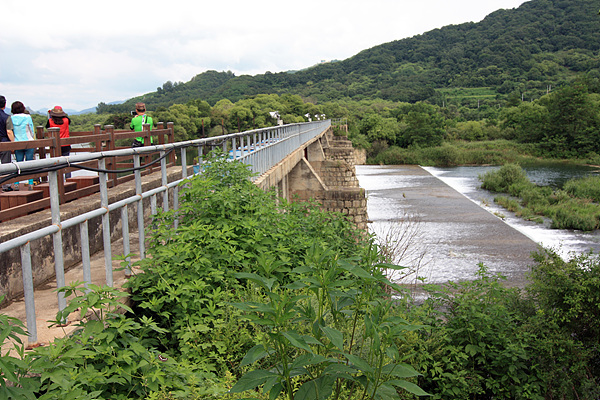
pixel 443 240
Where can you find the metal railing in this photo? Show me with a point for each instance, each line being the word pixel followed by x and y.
pixel 261 149
pixel 49 144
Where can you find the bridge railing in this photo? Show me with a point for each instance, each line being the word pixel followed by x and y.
pixel 49 143
pixel 261 149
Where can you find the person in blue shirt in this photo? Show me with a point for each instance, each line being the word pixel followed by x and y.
pixel 20 125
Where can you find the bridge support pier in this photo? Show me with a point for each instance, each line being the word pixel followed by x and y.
pixel 322 171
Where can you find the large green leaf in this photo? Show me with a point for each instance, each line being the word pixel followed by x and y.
pixel 359 363
pixel 297 341
pixel 386 392
pixel 411 387
pixel 251 380
pixel 275 390
pixel 266 283
pixel 342 371
pixel 254 354
pixel 336 337
pixel 390 266
pixel 307 359
pixel 317 389
pixel 399 370
pixel 358 272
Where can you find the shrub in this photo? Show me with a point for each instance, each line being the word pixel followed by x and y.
pixel 503 179
pixel 584 188
pixel 475 347
pixel 566 294
pixel 565 211
pixel 108 356
pixel 575 214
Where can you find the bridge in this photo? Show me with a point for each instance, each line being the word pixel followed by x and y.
pixel 302 161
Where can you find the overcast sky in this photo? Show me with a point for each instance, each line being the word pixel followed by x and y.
pixel 76 53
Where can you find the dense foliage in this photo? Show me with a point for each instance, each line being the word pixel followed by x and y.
pixel 248 295
pixel 487 341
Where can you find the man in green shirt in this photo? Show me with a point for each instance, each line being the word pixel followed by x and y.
pixel 137 122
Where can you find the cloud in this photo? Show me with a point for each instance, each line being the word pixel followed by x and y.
pixel 78 55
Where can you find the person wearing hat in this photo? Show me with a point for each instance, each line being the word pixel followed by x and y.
pixel 5 137
pixel 137 122
pixel 57 118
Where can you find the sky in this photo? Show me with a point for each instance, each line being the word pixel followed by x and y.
pixel 77 54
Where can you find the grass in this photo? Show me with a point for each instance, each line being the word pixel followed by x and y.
pixel 575 207
pixel 455 153
pixel 460 92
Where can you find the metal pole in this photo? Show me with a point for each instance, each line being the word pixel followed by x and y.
pixel 105 222
pixel 28 292
pixel 163 173
pixel 140 206
pixel 59 262
pixel 85 253
pixel 125 227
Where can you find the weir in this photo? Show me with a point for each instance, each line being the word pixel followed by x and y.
pixel 81 239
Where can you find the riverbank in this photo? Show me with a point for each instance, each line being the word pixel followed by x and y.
pixel 463 153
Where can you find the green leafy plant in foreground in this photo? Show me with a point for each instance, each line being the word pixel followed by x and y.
pixel 475 347
pixel 109 356
pixel 330 332
pixel 226 225
pixel 16 382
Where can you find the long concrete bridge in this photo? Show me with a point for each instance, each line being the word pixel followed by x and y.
pixel 79 240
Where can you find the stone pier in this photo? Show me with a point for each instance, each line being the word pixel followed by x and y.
pixel 324 172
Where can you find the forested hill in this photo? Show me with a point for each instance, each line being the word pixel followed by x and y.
pixel 542 43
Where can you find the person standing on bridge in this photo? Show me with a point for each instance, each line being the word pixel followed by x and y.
pixel 5 156
pixel 137 123
pixel 57 118
pixel 20 125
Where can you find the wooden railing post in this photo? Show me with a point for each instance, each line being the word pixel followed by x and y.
pixel 111 161
pixel 97 143
pixel 39 134
pixel 171 139
pixel 161 137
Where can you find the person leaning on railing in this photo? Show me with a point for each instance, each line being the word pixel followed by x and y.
pixel 5 156
pixel 137 123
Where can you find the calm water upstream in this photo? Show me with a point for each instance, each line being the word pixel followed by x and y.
pixel 443 238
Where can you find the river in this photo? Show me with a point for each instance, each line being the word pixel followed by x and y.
pixel 441 245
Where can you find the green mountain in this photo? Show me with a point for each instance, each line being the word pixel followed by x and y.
pixel 541 45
